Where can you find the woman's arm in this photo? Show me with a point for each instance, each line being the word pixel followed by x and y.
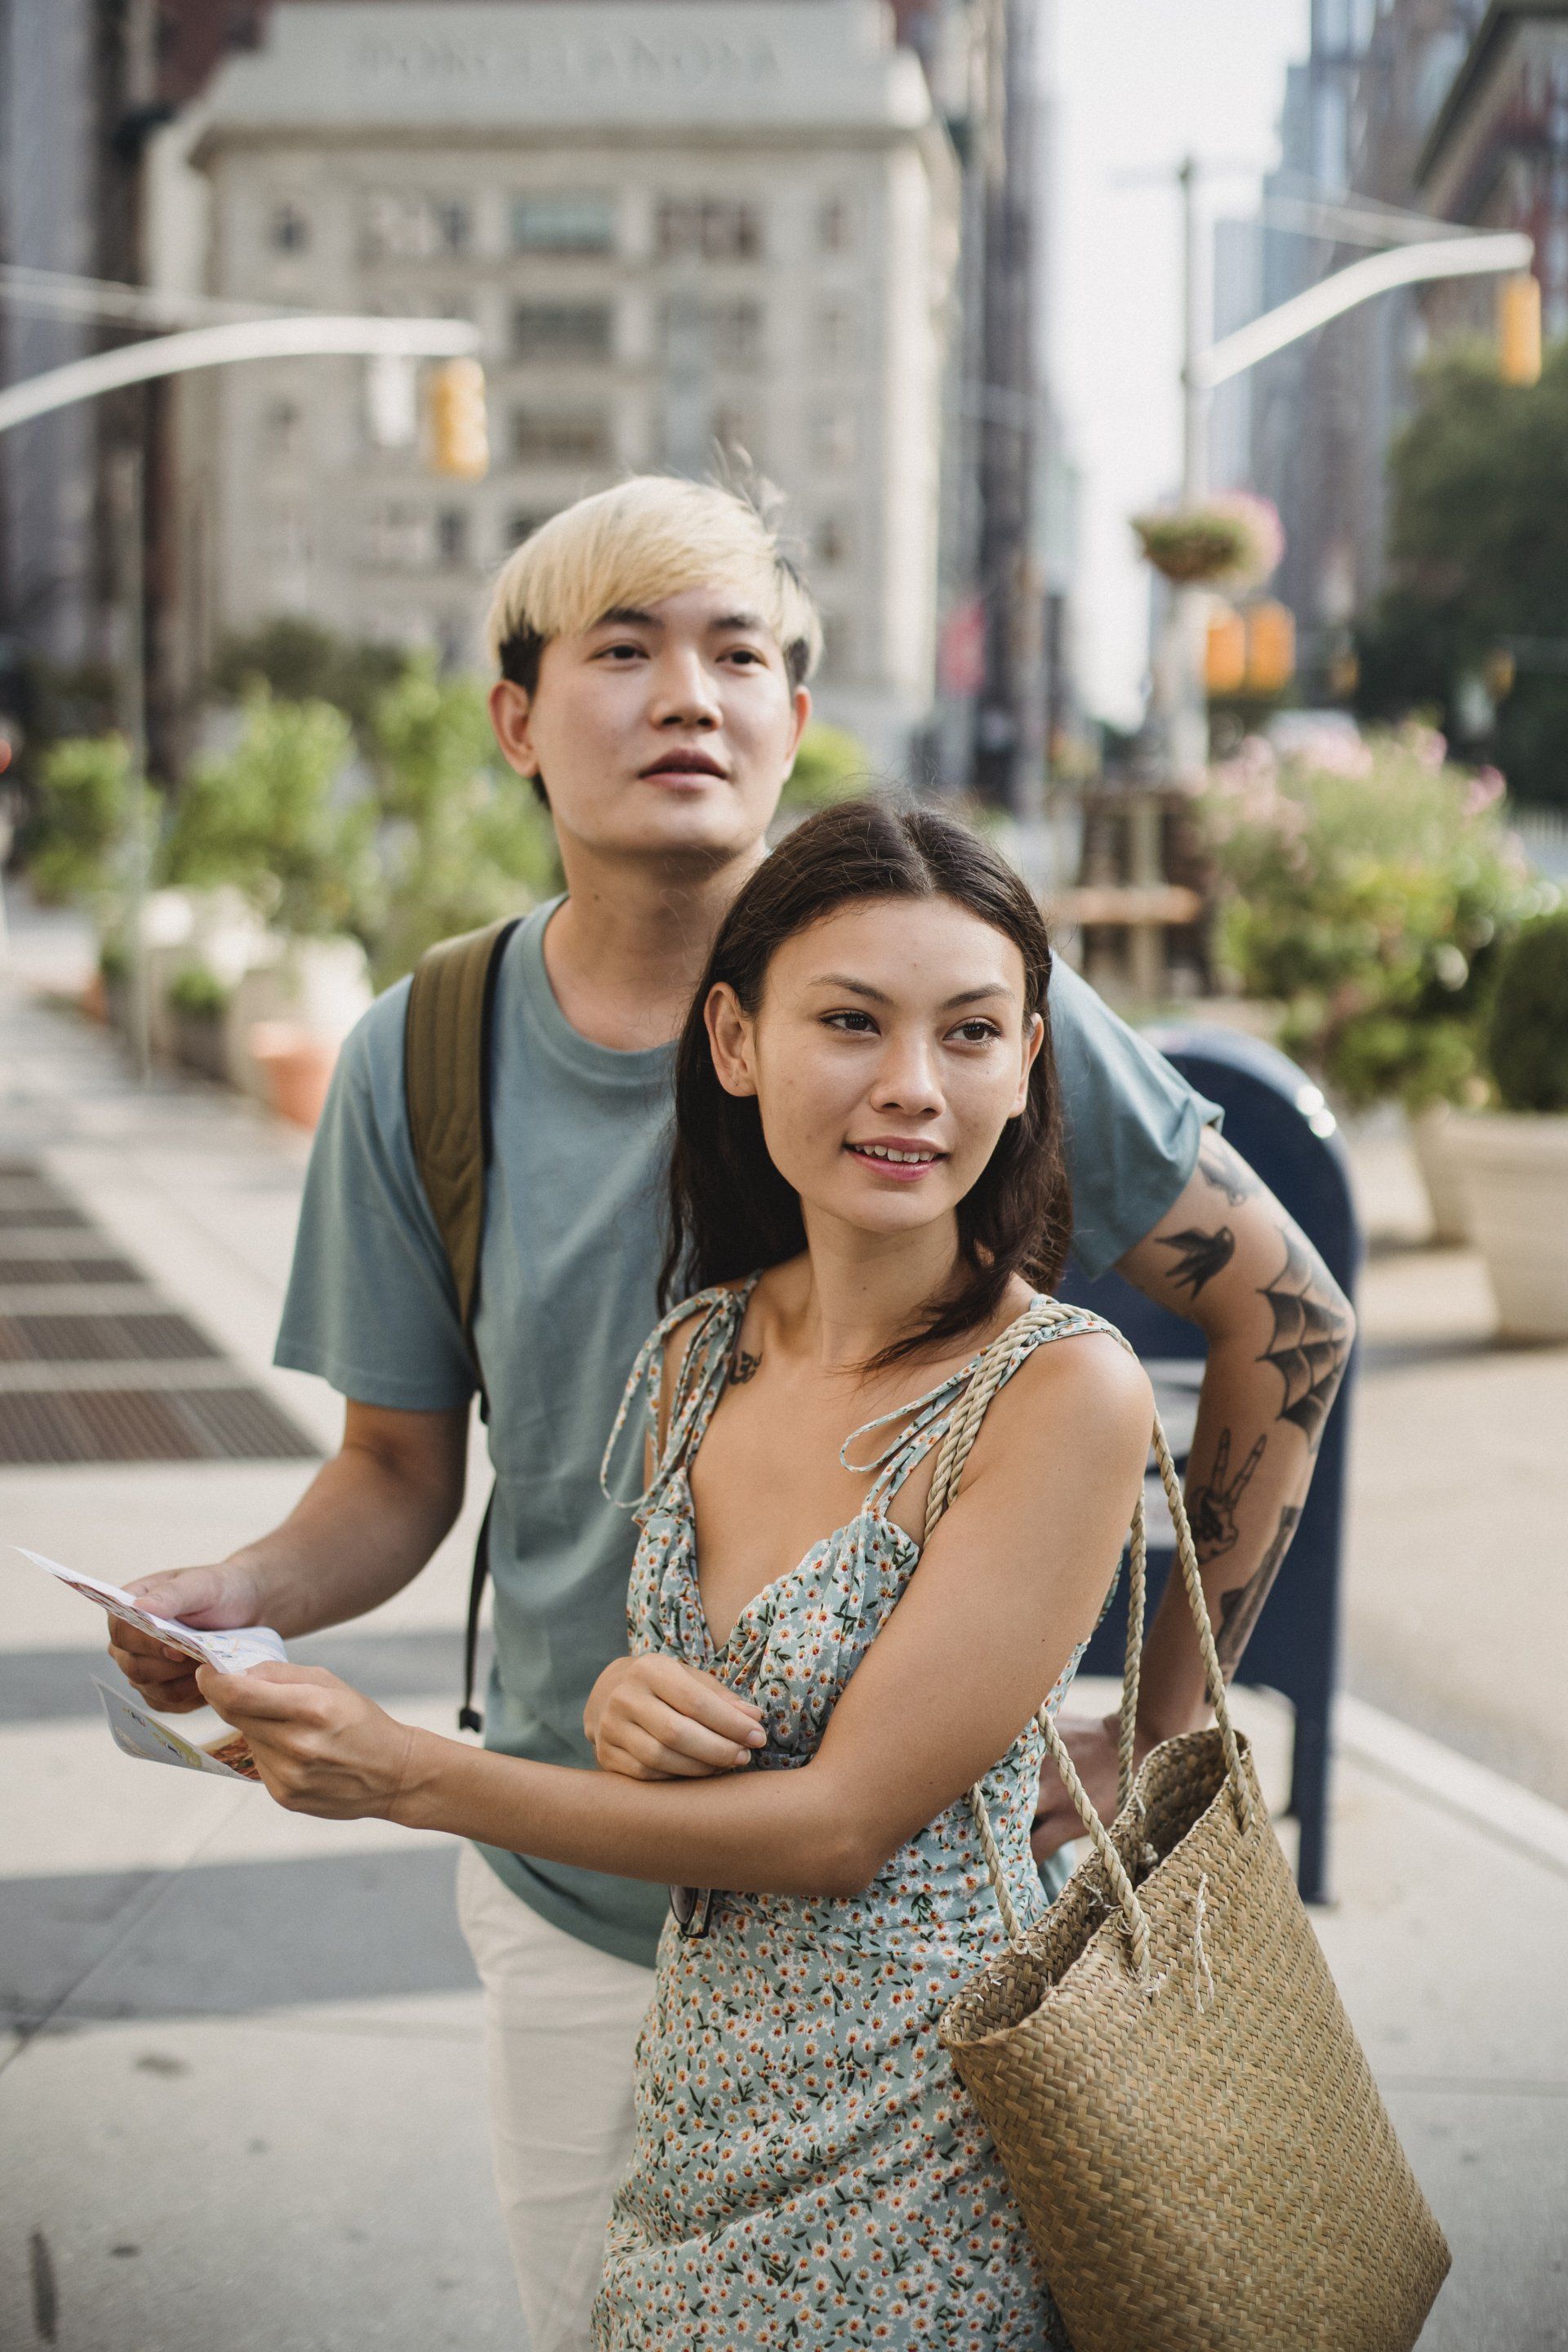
pixel 970 1653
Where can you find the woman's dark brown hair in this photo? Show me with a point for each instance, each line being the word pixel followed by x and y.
pixel 731 1211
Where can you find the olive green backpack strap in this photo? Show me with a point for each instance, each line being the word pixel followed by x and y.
pixel 446 1088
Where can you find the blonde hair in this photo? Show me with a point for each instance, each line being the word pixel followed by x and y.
pixel 631 546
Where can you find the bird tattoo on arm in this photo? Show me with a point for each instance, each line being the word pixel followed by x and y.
pixel 1199 1256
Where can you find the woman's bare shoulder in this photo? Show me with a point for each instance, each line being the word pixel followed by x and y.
pixel 1084 1388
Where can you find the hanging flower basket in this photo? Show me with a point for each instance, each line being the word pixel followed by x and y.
pixel 1233 541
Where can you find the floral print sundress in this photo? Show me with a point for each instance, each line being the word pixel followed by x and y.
pixel 806 2169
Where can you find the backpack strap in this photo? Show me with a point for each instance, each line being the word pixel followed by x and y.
pixel 446 1088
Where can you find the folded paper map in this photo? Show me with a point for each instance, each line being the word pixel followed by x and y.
pixel 232 1652
pixel 134 1730
pixel 142 1735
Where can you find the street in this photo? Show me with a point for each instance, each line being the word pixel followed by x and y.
pixel 242 2091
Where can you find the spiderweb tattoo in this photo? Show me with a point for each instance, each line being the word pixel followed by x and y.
pixel 1309 1343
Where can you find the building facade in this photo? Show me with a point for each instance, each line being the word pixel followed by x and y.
pixel 674 226
pixel 1496 154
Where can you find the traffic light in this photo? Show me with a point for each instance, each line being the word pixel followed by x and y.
pixel 1519 328
pixel 1251 652
pixel 460 430
pixel 1225 656
pixel 1270 647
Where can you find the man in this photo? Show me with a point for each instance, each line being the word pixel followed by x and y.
pixel 654 647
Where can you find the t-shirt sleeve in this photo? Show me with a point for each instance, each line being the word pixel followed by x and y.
pixel 1131 1122
pixel 371 1306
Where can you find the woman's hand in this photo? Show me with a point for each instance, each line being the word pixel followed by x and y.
pixel 1095 1746
pixel 654 1718
pixel 319 1747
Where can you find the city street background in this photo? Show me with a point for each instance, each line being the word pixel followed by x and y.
pixel 1225 593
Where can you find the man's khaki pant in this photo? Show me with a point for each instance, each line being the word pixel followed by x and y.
pixel 561 2026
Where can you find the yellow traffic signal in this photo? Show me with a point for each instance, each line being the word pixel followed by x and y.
pixel 1225 654
pixel 1498 673
pixel 460 428
pixel 1270 647
pixel 1519 328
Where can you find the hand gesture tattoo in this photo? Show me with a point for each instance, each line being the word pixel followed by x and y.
pixel 1212 1506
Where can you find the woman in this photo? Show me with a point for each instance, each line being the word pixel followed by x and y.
pixel 867 1193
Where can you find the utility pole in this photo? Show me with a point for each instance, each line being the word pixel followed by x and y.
pixel 127 480
pixel 1010 718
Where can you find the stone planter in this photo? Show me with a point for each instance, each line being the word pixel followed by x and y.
pixel 1431 1140
pixel 298 1066
pixel 1513 1166
pixel 198 1042
pixel 320 985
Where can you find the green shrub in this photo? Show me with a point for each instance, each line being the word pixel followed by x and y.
pixel 1527 1035
pixel 198 994
pixel 461 840
pixel 830 765
pixel 273 817
pixel 1367 887
pixel 72 840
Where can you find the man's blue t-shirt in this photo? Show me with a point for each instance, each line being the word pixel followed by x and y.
pixel 570 1252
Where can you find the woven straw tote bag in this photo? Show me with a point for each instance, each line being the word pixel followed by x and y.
pixel 1184 2113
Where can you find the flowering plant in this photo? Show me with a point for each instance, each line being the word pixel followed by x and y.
pixel 1235 541
pixel 1367 884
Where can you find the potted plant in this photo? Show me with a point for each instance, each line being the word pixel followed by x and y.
pixel 1230 542
pixel 277 819
pixel 197 1003
pixel 1366 887
pixel 1513 1159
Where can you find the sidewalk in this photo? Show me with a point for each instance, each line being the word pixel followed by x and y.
pixel 241 2097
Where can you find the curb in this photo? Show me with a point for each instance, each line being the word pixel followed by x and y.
pixel 1474 1792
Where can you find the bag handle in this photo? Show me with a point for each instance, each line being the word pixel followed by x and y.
pixel 953 1454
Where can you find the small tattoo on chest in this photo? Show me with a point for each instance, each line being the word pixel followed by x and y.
pixel 742 1366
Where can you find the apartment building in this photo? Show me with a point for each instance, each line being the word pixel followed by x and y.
pixel 673 225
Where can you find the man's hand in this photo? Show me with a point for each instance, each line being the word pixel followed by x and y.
pixel 1094 1746
pixel 217 1598
pixel 654 1718
pixel 320 1746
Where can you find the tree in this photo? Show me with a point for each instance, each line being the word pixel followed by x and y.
pixel 1478 543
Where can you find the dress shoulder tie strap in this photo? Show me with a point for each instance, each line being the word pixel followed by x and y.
pixel 698 1383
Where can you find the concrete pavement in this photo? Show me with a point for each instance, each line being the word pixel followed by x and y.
pixel 241 2095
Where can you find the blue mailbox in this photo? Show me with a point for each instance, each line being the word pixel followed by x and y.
pixel 1275 1118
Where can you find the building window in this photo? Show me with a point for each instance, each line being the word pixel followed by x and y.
pixel 724 335
pixel 707 228
pixel 452 225
pixel 397 227
pixel 738 336
pixel 452 535
pixel 397 539
pixel 560 330
pixel 287 229
pixel 559 436
pixel 833 437
pixel 838 338
pixel 837 645
pixel 524 523
pixel 832 541
pixel 564 221
pixel 283 429
pixel 836 225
